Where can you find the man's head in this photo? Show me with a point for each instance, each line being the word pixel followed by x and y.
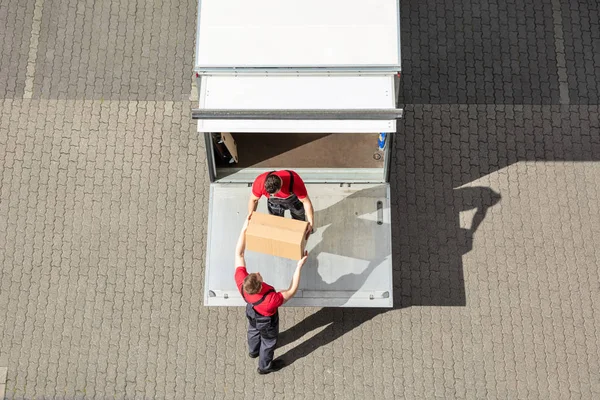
pixel 272 184
pixel 253 283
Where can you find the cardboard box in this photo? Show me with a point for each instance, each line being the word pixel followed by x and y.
pixel 229 142
pixel 278 236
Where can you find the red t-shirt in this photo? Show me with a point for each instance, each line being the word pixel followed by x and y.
pixel 258 187
pixel 272 301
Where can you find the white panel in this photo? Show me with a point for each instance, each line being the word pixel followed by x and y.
pixel 293 126
pixel 297 92
pixel 297 33
pixel 350 253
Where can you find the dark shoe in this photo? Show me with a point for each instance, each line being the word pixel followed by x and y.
pixel 276 365
pixel 253 355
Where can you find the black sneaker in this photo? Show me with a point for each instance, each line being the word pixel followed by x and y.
pixel 276 365
pixel 253 355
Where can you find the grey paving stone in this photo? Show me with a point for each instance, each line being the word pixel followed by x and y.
pixel 582 42
pixel 101 43
pixel 452 50
pixel 16 18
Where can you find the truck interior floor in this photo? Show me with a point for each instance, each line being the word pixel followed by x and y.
pixel 307 150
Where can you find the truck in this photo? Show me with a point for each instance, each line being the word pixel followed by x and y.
pixel 309 86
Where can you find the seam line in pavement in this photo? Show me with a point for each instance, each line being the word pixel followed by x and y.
pixel 559 44
pixel 33 48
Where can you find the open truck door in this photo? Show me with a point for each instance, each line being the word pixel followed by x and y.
pixel 309 86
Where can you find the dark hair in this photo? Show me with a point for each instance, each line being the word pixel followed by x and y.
pixel 272 184
pixel 252 283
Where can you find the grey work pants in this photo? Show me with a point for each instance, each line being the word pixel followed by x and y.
pixel 277 206
pixel 262 336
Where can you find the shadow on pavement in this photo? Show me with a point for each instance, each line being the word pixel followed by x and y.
pixel 442 280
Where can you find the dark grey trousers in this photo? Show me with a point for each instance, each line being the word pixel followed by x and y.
pixel 262 336
pixel 277 206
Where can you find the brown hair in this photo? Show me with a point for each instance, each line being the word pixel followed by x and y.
pixel 252 283
pixel 272 184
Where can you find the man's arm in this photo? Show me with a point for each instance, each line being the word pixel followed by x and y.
pixel 240 248
pixel 310 213
pixel 252 203
pixel 300 191
pixel 291 291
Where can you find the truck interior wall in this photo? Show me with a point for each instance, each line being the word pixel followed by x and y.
pixel 307 150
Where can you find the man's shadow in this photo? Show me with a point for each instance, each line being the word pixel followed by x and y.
pixel 417 230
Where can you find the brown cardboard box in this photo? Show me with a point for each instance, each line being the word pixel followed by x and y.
pixel 278 236
pixel 229 142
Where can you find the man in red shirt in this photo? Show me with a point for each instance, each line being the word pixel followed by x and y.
pixel 284 190
pixel 262 302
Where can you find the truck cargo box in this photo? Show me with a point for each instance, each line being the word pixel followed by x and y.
pixel 308 86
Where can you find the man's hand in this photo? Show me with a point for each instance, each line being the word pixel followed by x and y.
pixel 309 229
pixel 310 214
pixel 252 203
pixel 246 222
pixel 240 248
pixel 291 291
pixel 302 261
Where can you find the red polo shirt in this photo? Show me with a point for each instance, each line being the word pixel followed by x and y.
pixel 272 301
pixel 258 187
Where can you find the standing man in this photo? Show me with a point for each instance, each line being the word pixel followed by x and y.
pixel 262 302
pixel 284 190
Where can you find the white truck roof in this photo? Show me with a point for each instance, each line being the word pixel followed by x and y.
pixel 306 33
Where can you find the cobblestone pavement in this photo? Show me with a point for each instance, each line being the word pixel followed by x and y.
pixel 496 209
